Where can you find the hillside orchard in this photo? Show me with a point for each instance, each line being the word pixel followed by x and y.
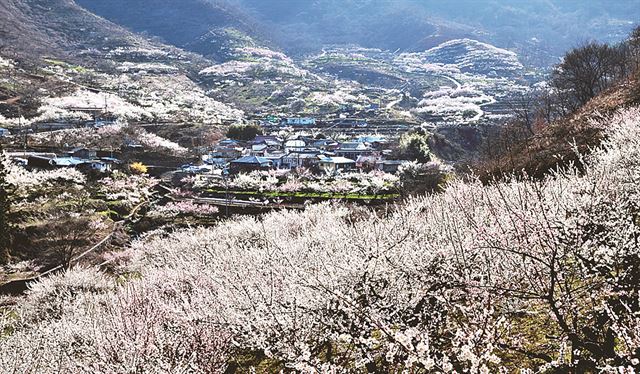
pixel 530 275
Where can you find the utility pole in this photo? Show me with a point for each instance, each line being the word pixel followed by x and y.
pixel 226 193
pixel 24 130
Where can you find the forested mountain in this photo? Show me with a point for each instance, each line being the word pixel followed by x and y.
pixel 202 26
pixel 541 29
pixel 40 27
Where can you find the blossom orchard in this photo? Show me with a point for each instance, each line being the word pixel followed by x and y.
pixel 526 274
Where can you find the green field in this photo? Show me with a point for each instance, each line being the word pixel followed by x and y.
pixel 311 195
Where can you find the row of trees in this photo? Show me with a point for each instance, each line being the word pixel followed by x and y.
pixel 584 73
pixel 588 70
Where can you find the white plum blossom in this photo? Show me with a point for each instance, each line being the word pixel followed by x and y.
pixel 333 98
pixel 453 103
pixel 107 101
pixel 152 67
pixel 132 52
pixel 5 63
pixel 174 209
pixel 374 182
pixel 254 61
pixel 130 190
pixel 110 136
pixel 263 52
pixel 153 141
pixel 468 54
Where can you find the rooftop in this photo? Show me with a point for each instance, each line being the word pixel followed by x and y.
pixel 251 160
pixel 337 160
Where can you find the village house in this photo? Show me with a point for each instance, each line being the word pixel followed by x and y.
pixel 259 149
pixel 390 166
pixel 229 143
pixel 325 144
pixel 299 121
pixel 248 164
pixel 214 161
pixel 367 162
pixel 276 159
pixel 294 145
pixel 226 152
pixel 82 153
pixel 376 142
pixel 40 161
pixel 271 143
pixel 300 159
pixel 272 119
pixel 63 162
pixel 351 122
pixel 99 166
pixel 333 165
pixel 267 139
pixel 83 159
pixel 353 150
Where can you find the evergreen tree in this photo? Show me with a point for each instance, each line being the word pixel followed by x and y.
pixel 5 228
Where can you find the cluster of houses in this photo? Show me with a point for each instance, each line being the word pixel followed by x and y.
pixel 80 158
pixel 318 154
pixel 272 121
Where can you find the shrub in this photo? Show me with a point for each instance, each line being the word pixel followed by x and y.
pixel 414 147
pixel 243 132
pixel 419 179
pixel 138 168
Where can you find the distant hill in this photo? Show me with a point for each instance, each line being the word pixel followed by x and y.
pixel 472 56
pixel 305 26
pixel 552 26
pixel 36 33
pixel 540 30
pixel 56 48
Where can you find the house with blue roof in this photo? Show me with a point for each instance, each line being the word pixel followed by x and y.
pixel 248 164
